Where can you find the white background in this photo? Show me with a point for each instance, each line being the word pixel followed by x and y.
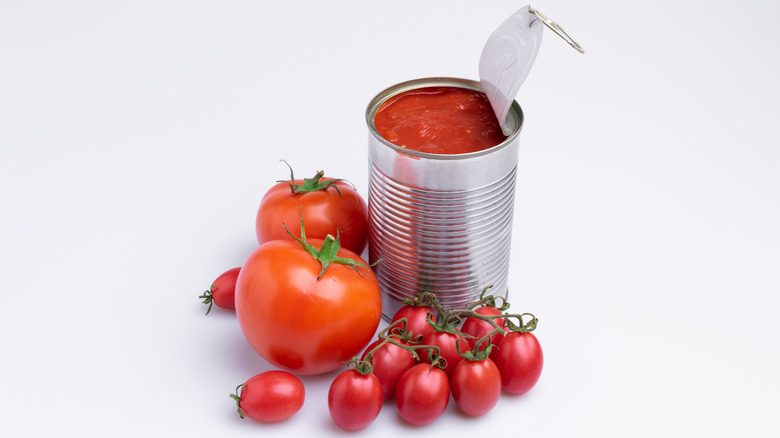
pixel 137 138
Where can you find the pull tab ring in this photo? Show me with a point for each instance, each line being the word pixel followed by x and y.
pixel 555 27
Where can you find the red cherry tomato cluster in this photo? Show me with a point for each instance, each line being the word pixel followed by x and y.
pixel 422 369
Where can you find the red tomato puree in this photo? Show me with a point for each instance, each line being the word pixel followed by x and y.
pixel 439 120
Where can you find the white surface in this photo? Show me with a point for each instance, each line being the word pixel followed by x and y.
pixel 138 137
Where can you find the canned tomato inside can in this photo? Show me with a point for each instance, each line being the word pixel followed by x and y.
pixel 441 192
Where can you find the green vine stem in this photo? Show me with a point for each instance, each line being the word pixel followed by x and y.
pixel 477 353
pixel 489 300
pixel 396 334
pixel 450 320
pixel 424 299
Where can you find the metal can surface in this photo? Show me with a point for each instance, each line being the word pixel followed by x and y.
pixel 440 223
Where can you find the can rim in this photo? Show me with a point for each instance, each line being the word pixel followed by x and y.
pixel 389 92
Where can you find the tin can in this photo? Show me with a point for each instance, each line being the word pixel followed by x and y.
pixel 440 223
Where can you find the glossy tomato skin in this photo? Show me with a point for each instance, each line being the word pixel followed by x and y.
pixel 476 386
pixel 478 328
pixel 447 348
pixel 272 396
pixel 324 211
pixel 223 290
pixel 519 359
pixel 299 323
pixel 416 318
pixel 389 363
pixel 422 394
pixel 354 400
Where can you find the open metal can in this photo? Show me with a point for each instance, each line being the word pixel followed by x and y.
pixel 440 223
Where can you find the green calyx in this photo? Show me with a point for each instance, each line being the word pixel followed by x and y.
pixel 478 353
pixel 364 367
pixel 208 298
pixel 397 334
pixel 237 398
pixel 489 300
pixel 310 184
pixel 521 326
pixel 424 299
pixel 448 324
pixel 328 253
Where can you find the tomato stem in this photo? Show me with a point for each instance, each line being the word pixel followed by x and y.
pixel 208 298
pixel 477 353
pixel 364 367
pixel 311 184
pixel 521 326
pixel 489 300
pixel 391 335
pixel 237 398
pixel 448 322
pixel 424 299
pixel 328 253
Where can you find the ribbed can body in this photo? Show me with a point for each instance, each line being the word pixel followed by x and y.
pixel 440 223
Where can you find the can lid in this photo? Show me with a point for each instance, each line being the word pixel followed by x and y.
pixel 509 54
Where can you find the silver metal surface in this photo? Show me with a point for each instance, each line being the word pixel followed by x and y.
pixel 555 27
pixel 440 223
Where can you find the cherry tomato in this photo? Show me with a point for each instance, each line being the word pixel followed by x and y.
pixel 416 318
pixel 476 386
pixel 390 362
pixel 422 394
pixel 447 348
pixel 478 328
pixel 354 400
pixel 270 396
pixel 298 322
pixel 222 291
pixel 325 210
pixel 519 359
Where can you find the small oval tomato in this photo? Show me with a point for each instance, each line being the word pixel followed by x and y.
pixel 519 359
pixel 300 321
pixel 479 329
pixel 476 386
pixel 354 400
pixel 447 348
pixel 325 209
pixel 389 363
pixel 222 291
pixel 422 394
pixel 416 318
pixel 270 396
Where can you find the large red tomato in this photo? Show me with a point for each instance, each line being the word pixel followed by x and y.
pixel 325 206
pixel 301 323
